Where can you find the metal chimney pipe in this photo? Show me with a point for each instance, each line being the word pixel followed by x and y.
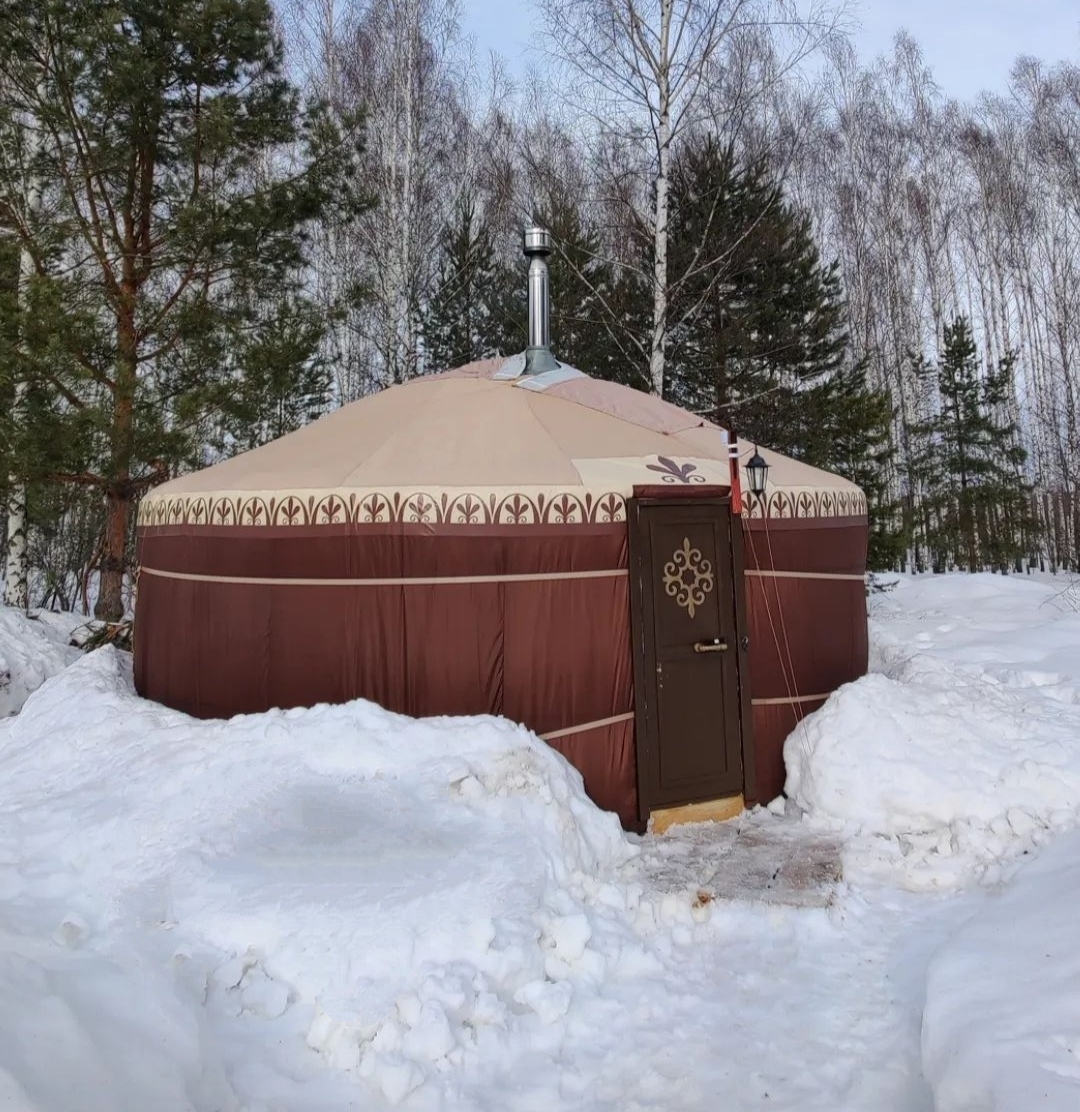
pixel 536 246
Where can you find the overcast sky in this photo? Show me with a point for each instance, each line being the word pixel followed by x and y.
pixel 969 44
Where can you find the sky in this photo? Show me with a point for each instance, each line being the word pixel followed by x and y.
pixel 969 44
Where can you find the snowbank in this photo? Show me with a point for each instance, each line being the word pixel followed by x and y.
pixel 1001 1027
pixel 396 893
pixel 32 650
pixel 964 747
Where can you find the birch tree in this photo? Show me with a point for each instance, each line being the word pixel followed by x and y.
pixel 25 147
pixel 643 71
pixel 316 33
pixel 939 210
pixel 395 66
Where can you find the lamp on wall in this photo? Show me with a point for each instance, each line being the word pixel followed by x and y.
pixel 757 471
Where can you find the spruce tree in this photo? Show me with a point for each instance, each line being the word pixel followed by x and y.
pixel 968 463
pixel 759 317
pixel 590 299
pixel 180 176
pixel 463 320
pixel 845 426
pixel 281 377
pixel 759 342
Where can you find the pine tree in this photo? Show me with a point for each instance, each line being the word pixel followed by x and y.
pixel 39 437
pixel 968 463
pixel 180 175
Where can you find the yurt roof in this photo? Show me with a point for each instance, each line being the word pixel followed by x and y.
pixel 485 432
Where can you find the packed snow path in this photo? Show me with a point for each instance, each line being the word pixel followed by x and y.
pixel 753 858
pixel 342 908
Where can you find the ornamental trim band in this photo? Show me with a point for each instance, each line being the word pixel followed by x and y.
pixel 451 507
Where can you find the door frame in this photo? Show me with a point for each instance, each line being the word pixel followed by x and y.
pixel 646 726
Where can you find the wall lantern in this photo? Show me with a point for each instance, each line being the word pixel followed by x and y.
pixel 757 470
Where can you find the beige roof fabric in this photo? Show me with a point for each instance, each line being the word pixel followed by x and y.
pixel 437 447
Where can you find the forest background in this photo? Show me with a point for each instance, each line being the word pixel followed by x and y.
pixel 220 219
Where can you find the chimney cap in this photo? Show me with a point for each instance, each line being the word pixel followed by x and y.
pixel 536 241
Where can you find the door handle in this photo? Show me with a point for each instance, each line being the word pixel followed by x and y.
pixel 713 646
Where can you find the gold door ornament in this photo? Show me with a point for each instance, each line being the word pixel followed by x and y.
pixel 688 578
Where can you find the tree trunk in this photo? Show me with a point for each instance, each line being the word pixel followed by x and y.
pixel 16 570
pixel 118 492
pixel 110 602
pixel 1060 552
pixel 16 567
pixel 660 215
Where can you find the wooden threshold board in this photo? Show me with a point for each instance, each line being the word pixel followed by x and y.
pixel 712 810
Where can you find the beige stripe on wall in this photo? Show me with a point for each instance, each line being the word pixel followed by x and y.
pixel 789 700
pixel 587 726
pixel 534 577
pixel 766 574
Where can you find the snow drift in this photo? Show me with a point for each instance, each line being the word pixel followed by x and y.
pixel 393 891
pixel 32 650
pixel 964 746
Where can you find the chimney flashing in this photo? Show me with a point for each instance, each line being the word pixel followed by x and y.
pixel 539 360
pixel 544 379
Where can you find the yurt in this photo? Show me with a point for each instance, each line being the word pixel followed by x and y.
pixel 516 538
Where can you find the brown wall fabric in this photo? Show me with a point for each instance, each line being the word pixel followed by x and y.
pixel 567 652
pixel 808 635
pixel 836 545
pixel 391 551
pixel 549 654
pixel 772 725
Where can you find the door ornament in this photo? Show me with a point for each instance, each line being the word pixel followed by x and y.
pixel 688 578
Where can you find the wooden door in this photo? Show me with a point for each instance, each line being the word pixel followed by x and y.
pixel 687 651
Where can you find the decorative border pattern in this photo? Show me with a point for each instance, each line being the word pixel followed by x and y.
pixel 827 502
pixel 446 508
pixel 562 508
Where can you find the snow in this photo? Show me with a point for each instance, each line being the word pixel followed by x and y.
pixel 403 879
pixel 31 650
pixel 340 907
pixel 961 750
pixel 1001 1028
